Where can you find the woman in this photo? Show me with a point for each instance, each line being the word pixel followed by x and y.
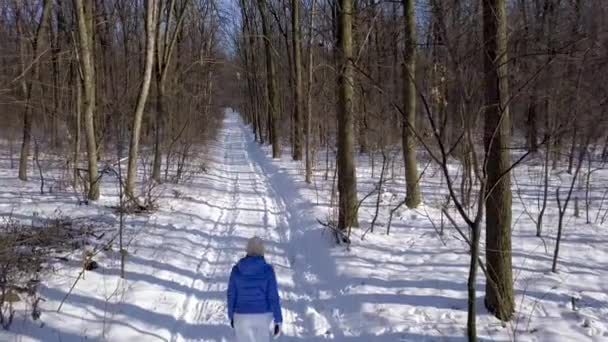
pixel 253 296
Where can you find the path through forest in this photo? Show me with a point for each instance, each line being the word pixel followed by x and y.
pixel 409 286
pixel 248 200
pixel 205 234
pixel 181 256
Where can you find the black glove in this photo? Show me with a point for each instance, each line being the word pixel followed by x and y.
pixel 277 330
pixel 232 323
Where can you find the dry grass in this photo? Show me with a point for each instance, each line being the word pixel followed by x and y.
pixel 24 252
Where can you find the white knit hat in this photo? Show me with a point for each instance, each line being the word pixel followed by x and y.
pixel 255 247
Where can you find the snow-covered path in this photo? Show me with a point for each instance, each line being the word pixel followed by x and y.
pixel 204 234
pixel 245 202
pixel 409 286
pixel 181 257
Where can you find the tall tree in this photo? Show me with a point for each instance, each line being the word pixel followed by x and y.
pixel 272 96
pixel 250 42
pixel 309 95
pixel 165 45
pixel 499 285
pixel 297 87
pixel 84 19
pixel 151 18
pixel 27 86
pixel 409 106
pixel 347 179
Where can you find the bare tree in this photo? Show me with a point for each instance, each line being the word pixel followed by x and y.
pixel 297 64
pixel 347 180
pixel 28 84
pixel 165 46
pixel 562 207
pixel 272 96
pixel 409 106
pixel 151 26
pixel 499 287
pixel 309 95
pixel 84 17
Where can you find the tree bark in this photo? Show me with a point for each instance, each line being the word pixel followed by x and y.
pixel 499 286
pixel 532 130
pixel 562 208
pixel 572 148
pixel 543 207
pixel 56 67
pixel 151 18
pixel 347 181
pixel 84 17
pixel 28 86
pixel 273 100
pixel 409 106
pixel 471 282
pixel 159 126
pixel 249 47
pixel 78 137
pixel 165 45
pixel 297 63
pixel 309 97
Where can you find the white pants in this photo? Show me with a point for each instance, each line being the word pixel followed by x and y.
pixel 252 327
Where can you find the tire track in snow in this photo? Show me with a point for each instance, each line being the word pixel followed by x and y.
pixel 187 303
pixel 206 310
pixel 266 205
pixel 194 310
pixel 276 231
pixel 310 311
pixel 307 315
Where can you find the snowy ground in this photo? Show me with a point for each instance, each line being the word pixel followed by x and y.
pixel 408 286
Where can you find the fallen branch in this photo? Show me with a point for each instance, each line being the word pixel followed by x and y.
pixel 88 258
pixel 337 232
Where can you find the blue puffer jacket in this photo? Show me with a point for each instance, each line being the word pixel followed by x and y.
pixel 253 289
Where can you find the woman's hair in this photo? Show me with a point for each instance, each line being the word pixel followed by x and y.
pixel 255 247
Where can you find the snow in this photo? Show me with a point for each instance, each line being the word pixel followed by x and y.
pixel 407 286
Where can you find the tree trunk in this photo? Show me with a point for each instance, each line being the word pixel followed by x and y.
pixel 78 137
pixel 273 99
pixel 409 107
pixel 25 145
pixel 574 98
pixel 55 50
pixel 499 286
pixel 532 125
pixel 309 97
pixel 543 207
pixel 249 47
pixel 532 121
pixel 471 282
pixel 297 63
pixel 562 209
pixel 84 15
pixel 347 181
pixel 572 149
pixel 248 93
pixel 165 44
pixel 158 128
pixel 151 17
pixel 28 87
pixel 557 150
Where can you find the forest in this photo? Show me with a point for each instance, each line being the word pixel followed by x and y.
pixel 418 169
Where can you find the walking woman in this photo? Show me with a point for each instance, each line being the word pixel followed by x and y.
pixel 253 297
